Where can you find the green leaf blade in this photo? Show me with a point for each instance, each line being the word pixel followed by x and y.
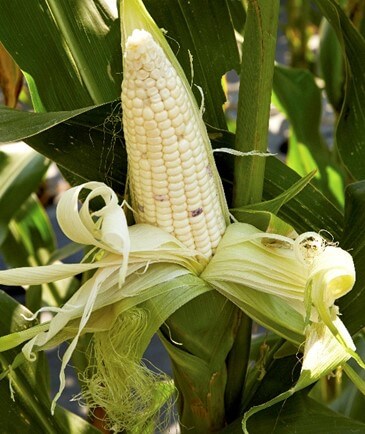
pixel 350 132
pixel 70 63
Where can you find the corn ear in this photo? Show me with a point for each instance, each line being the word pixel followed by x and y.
pixel 173 179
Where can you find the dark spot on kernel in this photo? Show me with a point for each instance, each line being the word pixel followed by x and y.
pixel 209 171
pixel 196 212
pixel 140 208
pixel 160 197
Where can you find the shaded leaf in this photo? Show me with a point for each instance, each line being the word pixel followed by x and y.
pixel 309 210
pixel 21 171
pixel 87 142
pixel 31 236
pixel 302 415
pixel 353 240
pixel 18 125
pixel 331 65
pixel 350 132
pixel 238 14
pixel 30 242
pixel 30 412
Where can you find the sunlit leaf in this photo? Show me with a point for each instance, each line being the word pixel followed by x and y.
pixel 298 97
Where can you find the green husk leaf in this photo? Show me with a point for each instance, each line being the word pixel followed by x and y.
pixel 198 350
pixel 265 221
pixel 309 210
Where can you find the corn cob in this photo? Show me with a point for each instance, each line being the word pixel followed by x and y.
pixel 173 179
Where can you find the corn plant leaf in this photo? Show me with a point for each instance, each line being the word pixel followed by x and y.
pixel 331 65
pixel 328 357
pixel 354 240
pixel 238 14
pixel 17 125
pixel 32 234
pixel 21 171
pixel 299 98
pixel 308 210
pixel 70 62
pixel 85 142
pixel 88 70
pixel 350 132
pixel 274 205
pixel 30 242
pixel 30 410
pixel 204 29
pixel 302 415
